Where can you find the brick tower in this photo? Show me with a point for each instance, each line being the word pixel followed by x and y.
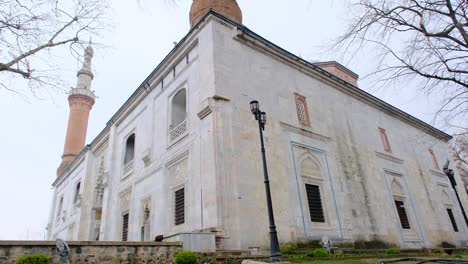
pixel 227 8
pixel 81 100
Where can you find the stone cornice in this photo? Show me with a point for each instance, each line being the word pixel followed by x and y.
pixel 388 157
pixel 305 132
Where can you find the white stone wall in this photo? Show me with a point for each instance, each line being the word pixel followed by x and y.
pixel 161 165
pixel 343 137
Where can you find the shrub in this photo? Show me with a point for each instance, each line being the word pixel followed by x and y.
pixel 448 247
pixel 436 250
pixel 206 260
pixel 310 244
pixel 186 257
pixel 392 251
pixel 319 253
pixel 288 248
pixel 34 259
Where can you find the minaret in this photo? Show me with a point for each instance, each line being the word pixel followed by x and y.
pixel 81 100
pixel 227 8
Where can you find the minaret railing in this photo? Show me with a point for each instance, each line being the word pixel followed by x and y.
pixel 82 91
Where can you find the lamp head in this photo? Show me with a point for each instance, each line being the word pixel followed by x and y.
pixel 263 118
pixel 446 165
pixel 254 107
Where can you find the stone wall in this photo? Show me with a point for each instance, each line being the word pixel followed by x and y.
pixel 94 252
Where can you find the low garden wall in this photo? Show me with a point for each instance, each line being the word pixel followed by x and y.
pixel 94 252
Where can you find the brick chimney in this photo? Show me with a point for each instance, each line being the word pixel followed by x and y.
pixel 339 71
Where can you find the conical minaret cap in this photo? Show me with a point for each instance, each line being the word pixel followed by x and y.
pixel 227 8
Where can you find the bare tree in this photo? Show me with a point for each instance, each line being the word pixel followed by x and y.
pixel 422 41
pixel 459 149
pixel 32 30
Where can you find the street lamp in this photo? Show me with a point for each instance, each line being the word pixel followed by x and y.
pixel 451 175
pixel 275 255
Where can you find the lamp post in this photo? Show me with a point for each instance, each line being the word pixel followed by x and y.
pixel 275 255
pixel 451 175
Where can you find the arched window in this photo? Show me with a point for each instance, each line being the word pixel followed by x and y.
pixel 399 199
pixel 448 207
pixel 178 126
pixel 310 169
pixel 179 108
pixel 129 149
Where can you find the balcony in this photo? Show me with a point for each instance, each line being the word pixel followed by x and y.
pixel 178 132
pixel 128 168
pixel 82 91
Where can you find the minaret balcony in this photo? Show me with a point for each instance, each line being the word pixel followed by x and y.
pixel 82 91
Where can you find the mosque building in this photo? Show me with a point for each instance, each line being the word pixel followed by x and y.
pixel 181 157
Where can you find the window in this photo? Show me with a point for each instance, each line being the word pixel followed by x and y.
pixel 77 193
pixel 383 136
pixel 125 227
pixel 179 108
pixel 400 206
pixel 315 203
pixel 434 159
pixel 302 111
pixel 178 126
pixel 179 207
pixel 60 205
pixel 129 149
pixel 452 220
pixel 129 155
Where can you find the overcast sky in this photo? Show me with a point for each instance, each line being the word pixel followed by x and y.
pixel 33 130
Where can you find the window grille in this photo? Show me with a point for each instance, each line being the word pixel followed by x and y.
pixel 179 207
pixel 434 159
pixel 452 219
pixel 302 111
pixel 385 142
pixel 125 227
pixel 315 203
pixel 400 206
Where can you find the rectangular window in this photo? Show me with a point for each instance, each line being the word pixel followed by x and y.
pixel 400 206
pixel 60 205
pixel 385 142
pixel 77 193
pixel 125 227
pixel 179 207
pixel 452 219
pixel 315 203
pixel 302 110
pixel 434 159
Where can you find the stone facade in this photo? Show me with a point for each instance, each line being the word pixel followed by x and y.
pixel 93 252
pixel 182 156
